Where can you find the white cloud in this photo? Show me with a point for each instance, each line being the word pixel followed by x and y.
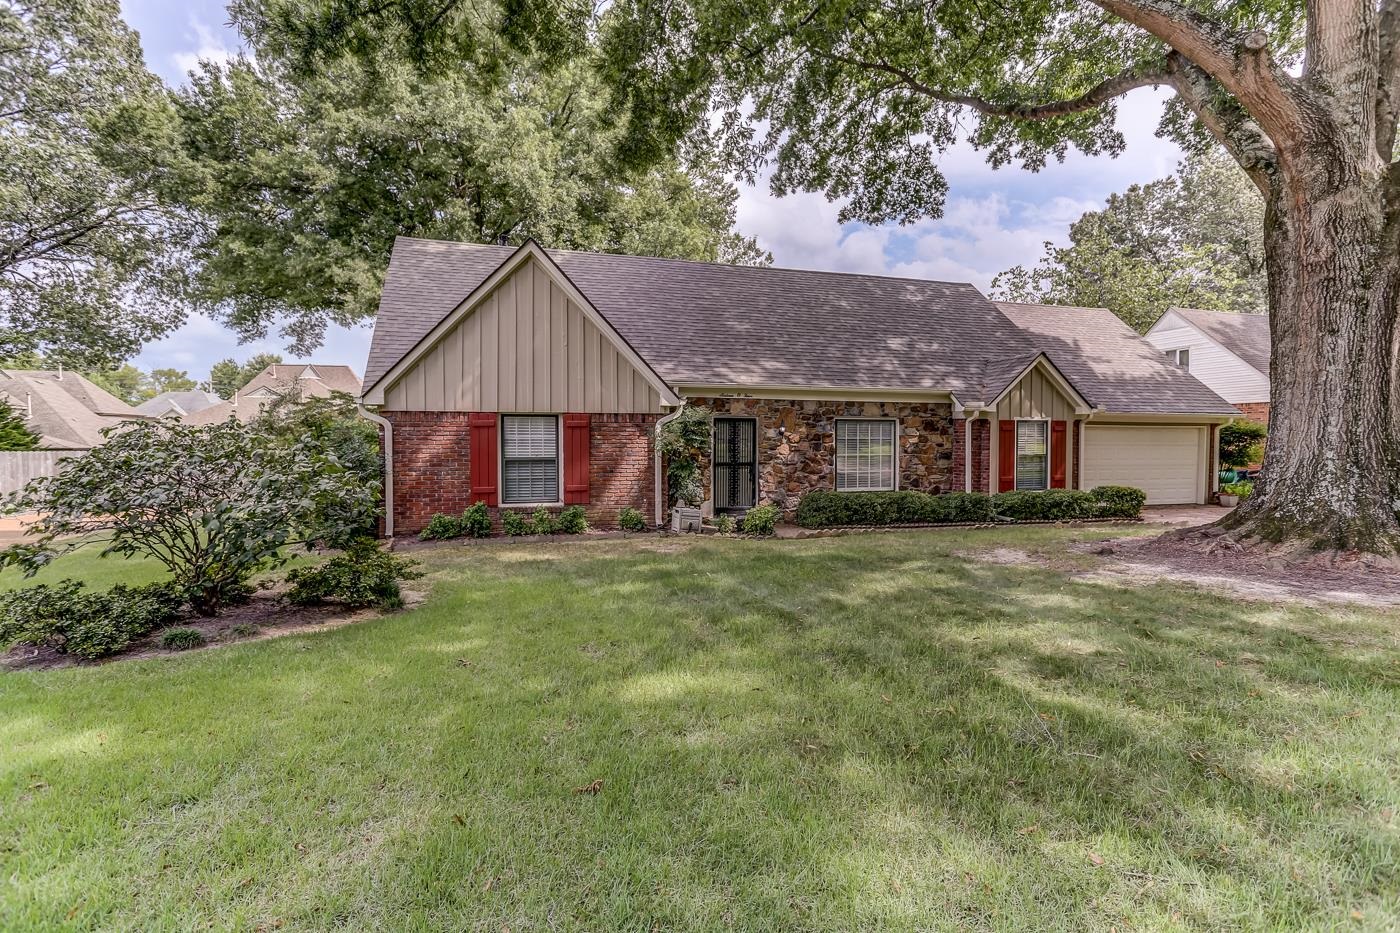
pixel 209 46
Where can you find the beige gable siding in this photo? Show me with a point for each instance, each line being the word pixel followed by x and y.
pixel 1036 396
pixel 526 348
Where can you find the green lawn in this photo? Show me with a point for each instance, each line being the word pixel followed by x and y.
pixel 842 733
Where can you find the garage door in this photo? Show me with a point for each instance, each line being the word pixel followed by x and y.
pixel 1166 462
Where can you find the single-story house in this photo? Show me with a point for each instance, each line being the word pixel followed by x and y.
pixel 1228 352
pixel 305 380
pixel 66 410
pixel 526 377
pixel 178 404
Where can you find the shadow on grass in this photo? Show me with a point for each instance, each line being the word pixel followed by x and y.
pixel 839 733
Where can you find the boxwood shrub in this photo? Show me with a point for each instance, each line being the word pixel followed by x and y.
pixel 1119 501
pixel 88 624
pixel 827 509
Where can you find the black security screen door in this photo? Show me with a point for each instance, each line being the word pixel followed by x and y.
pixel 734 463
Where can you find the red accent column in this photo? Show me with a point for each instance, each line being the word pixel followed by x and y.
pixel 1006 456
pixel 1058 437
pixel 483 466
pixel 576 469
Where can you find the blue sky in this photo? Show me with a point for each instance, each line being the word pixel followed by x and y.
pixel 994 219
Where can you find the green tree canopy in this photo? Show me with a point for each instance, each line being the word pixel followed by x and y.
pixel 491 130
pixel 14 433
pixel 90 259
pixel 131 385
pixel 1193 240
pixel 228 376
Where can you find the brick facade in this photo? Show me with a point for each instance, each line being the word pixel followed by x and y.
pixel 797 441
pixel 432 460
pixel 1254 411
pixel 981 455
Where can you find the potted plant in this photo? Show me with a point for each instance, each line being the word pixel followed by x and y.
pixel 1232 493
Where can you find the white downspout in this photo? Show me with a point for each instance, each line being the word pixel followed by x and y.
pixel 656 454
pixel 967 454
pixel 388 464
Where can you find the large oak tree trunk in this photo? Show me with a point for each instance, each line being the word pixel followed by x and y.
pixel 1326 483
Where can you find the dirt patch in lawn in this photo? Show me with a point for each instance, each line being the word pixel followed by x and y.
pixel 265 615
pixel 1132 561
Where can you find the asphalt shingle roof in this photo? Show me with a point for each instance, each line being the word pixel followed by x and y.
pixel 1245 335
pixel 1110 364
pixel 710 324
pixel 66 410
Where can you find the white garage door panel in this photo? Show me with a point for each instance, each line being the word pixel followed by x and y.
pixel 1164 462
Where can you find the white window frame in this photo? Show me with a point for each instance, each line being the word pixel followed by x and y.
pixel 1175 357
pixel 836 449
pixel 558 457
pixel 1016 449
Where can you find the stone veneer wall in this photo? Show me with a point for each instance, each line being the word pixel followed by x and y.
pixel 981 455
pixel 797 443
pixel 432 467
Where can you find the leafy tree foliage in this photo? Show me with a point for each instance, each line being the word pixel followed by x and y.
pixel 90 259
pixel 1193 240
pixel 1242 443
pixel 332 423
pixel 133 386
pixel 214 504
pixel 227 376
pixel 14 433
pixel 313 161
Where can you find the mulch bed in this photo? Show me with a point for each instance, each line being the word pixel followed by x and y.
pixel 265 615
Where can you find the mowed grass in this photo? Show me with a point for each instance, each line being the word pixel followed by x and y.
pixel 845 733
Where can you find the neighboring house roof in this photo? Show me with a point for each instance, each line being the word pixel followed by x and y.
pixel 178 404
pixel 711 325
pixel 1111 364
pixel 1245 335
pixel 67 411
pixel 309 380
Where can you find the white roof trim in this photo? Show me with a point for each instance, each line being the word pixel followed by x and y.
pixel 374 395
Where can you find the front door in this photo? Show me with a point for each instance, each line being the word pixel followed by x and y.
pixel 736 484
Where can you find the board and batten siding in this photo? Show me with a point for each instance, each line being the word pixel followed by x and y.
pixel 1223 372
pixel 525 348
pixel 1035 396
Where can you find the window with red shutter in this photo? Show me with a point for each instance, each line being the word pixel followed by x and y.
pixel 483 471
pixel 576 467
pixel 1058 438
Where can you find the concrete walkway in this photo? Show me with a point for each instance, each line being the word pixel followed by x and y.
pixel 1183 516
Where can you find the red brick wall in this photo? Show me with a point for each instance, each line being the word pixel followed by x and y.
pixel 432 456
pixel 1255 411
pixel 981 453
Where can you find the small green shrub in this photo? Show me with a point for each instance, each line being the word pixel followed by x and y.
pixel 761 520
pixel 181 639
pixel 1242 489
pixel 542 523
pixel 724 524
pixel 572 521
pixel 829 509
pixel 364 574
pixel 90 625
pixel 1242 443
pixel 244 630
pixel 513 523
pixel 630 519
pixel 441 527
pixel 1048 505
pixel 476 521
pixel 1119 501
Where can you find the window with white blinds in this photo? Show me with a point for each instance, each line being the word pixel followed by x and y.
pixel 1032 454
pixel 864 455
pixel 529 458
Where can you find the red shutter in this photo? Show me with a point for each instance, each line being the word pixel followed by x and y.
pixel 484 467
pixel 1006 456
pixel 1057 454
pixel 576 473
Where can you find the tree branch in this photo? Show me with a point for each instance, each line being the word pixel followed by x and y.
pixel 1126 80
pixel 1237 132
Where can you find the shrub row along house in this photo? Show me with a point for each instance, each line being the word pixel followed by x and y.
pixel 527 377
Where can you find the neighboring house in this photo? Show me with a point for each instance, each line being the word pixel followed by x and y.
pixel 1228 352
pixel 306 380
pixel 67 411
pixel 178 404
pixel 527 377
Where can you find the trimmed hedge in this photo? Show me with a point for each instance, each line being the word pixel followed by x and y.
pixel 828 509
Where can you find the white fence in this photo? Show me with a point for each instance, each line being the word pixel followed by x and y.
pixel 18 467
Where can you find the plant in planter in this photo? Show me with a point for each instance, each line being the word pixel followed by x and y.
pixel 1232 493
